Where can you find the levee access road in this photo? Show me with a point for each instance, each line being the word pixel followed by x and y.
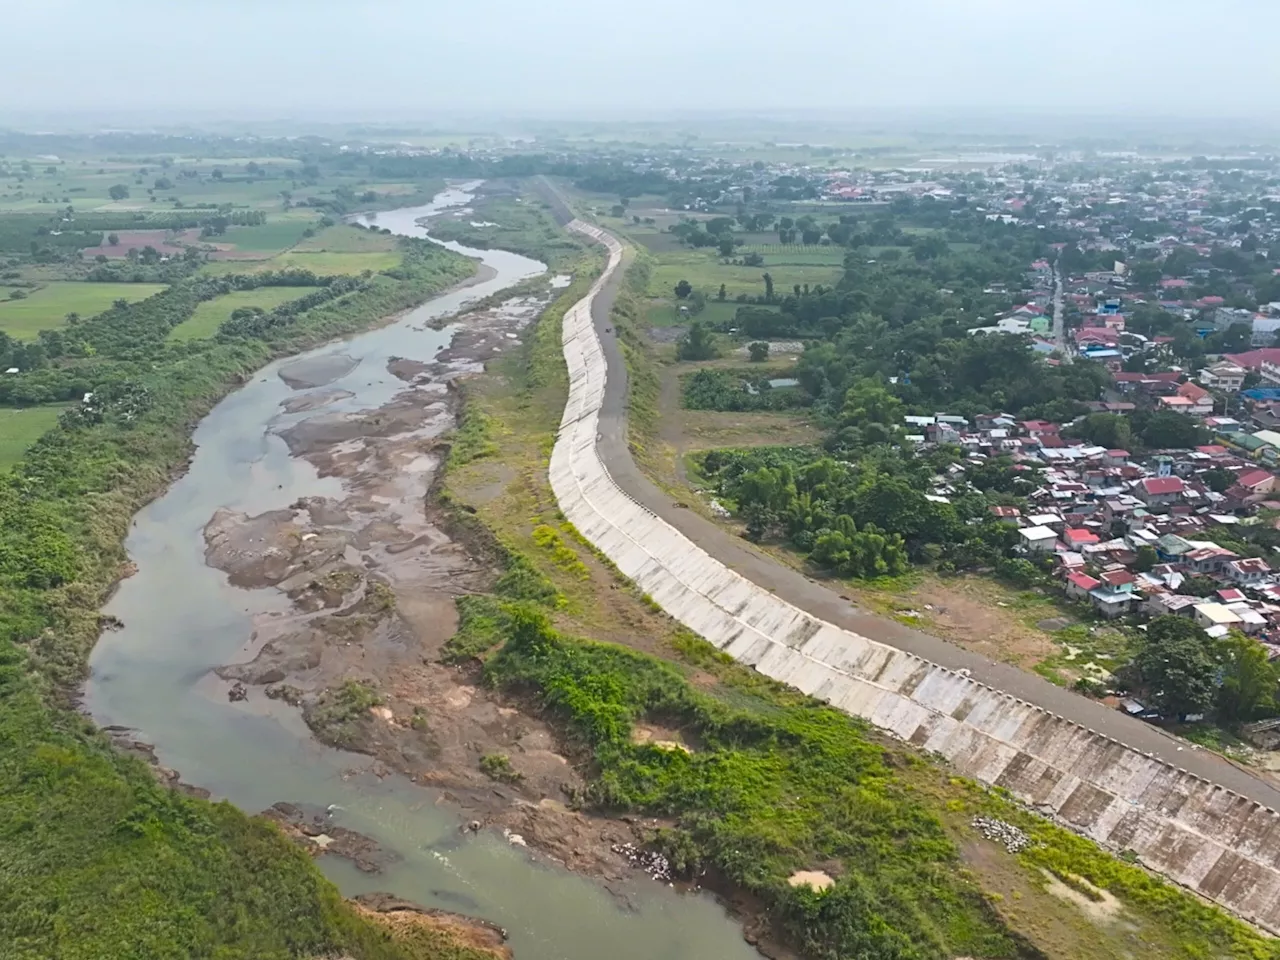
pixel 1191 815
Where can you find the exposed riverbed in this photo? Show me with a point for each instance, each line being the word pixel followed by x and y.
pixel 269 569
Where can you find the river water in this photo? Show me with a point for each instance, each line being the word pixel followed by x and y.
pixel 182 618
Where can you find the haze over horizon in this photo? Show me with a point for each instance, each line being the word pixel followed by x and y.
pixel 326 59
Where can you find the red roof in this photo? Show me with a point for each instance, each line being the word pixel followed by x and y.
pixel 1175 283
pixel 1254 359
pixel 1083 581
pixel 1213 301
pixel 1159 485
pixel 1075 535
pixel 1040 426
pixel 1230 596
pixel 1254 478
pixel 1117 453
pixel 1006 511
pixel 1052 441
pixel 1213 449
pixel 1193 391
pixel 1252 564
pixel 1118 578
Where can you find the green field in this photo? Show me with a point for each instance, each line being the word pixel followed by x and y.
pixel 705 272
pixel 210 314
pixel 795 254
pixel 663 313
pixel 47 307
pixel 342 238
pixel 270 237
pixel 19 428
pixel 323 264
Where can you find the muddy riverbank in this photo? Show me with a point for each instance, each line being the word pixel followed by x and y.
pixel 295 576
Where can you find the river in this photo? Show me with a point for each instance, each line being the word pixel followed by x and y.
pixel 182 618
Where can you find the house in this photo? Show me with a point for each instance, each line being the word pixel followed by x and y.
pixel 1006 513
pixel 1223 375
pixel 1247 572
pixel 1206 559
pixel 1077 537
pixel 1256 482
pixel 1160 491
pixel 1115 458
pixel 1209 615
pixel 1080 585
pixel 1111 603
pixel 1201 399
pixel 1037 539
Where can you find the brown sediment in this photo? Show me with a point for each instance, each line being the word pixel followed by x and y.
pixel 405 919
pixel 313 830
pixel 372 575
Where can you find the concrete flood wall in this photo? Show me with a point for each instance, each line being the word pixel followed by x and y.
pixel 1202 836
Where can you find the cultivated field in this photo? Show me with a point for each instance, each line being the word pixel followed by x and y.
pixel 46 308
pixel 210 314
pixel 270 237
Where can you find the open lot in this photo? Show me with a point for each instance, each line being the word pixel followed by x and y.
pixel 21 427
pixel 46 308
pixel 210 314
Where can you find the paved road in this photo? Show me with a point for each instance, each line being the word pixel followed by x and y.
pixel 1059 324
pixel 820 601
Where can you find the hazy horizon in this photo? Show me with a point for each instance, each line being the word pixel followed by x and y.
pixel 383 59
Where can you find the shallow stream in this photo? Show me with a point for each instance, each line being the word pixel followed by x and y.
pixel 182 618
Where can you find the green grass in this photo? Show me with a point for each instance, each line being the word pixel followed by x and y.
pixel 19 428
pixel 210 314
pixel 47 307
pixel 270 237
pixel 705 272
pixel 322 264
pixel 663 313
pixel 342 238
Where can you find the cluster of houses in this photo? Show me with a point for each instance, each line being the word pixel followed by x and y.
pixel 1129 535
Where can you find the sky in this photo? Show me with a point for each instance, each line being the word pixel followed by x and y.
pixel 382 59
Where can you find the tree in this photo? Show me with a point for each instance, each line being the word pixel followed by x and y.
pixel 698 343
pixel 1247 690
pixel 1165 429
pixel 118 192
pixel 1147 558
pixel 217 173
pixel 1177 667
pixel 768 288
pixel 163 183
pixel 113 239
pixel 683 289
pixel 617 210
pixel 758 352
pixel 1145 274
pixel 726 246
pixel 722 294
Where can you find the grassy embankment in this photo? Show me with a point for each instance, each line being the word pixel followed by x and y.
pixel 97 859
pixel 772 782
